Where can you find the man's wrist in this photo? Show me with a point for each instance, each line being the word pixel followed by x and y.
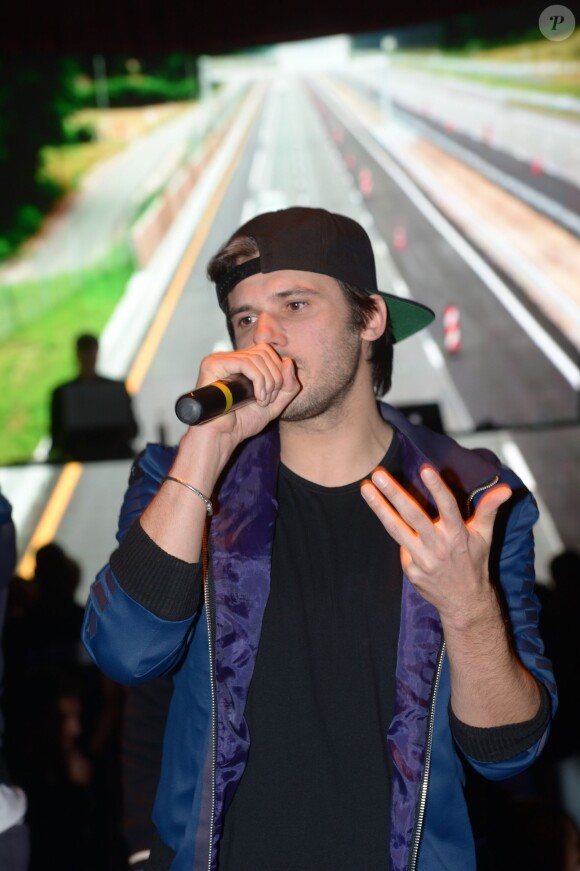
pixel 201 458
pixel 501 742
pixel 481 619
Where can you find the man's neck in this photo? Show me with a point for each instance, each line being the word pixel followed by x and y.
pixel 333 450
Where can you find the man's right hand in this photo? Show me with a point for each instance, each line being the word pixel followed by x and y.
pixel 175 518
pixel 275 386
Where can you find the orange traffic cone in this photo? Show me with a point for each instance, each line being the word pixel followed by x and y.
pixel 399 238
pixel 452 329
pixel 365 182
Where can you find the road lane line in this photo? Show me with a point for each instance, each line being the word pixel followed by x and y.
pixel 541 338
pixel 515 460
pixel 432 352
pixel 70 476
pixel 535 198
pixel 52 515
pixel 152 340
pixel 546 527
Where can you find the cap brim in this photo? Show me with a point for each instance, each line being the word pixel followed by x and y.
pixel 406 317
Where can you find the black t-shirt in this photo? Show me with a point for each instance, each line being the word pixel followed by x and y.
pixel 315 793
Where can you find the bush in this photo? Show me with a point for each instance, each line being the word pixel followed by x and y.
pixel 138 90
pixel 35 97
pixel 28 217
pixel 28 220
pixel 73 135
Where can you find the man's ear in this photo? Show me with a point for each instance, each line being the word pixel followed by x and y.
pixel 378 320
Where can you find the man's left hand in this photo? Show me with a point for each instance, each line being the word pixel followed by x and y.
pixel 446 559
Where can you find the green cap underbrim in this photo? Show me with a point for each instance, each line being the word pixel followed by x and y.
pixel 406 316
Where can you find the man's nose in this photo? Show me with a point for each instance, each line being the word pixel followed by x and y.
pixel 268 330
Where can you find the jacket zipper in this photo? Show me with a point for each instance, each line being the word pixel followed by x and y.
pixel 481 489
pixel 208 614
pixel 422 803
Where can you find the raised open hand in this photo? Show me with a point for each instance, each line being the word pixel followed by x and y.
pixel 445 559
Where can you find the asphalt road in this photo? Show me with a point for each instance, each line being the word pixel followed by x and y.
pixel 528 152
pixel 490 114
pixel 500 375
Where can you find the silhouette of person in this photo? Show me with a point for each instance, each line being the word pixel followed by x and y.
pixel 52 626
pixel 14 835
pixel 143 724
pixel 63 741
pixel 91 417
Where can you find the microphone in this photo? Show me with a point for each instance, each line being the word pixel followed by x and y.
pixel 216 399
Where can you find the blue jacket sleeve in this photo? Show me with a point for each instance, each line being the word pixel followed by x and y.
pixel 512 563
pixel 128 635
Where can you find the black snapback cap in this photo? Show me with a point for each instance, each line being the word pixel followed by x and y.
pixel 315 240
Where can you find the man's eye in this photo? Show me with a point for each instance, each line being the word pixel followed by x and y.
pixel 245 321
pixel 296 304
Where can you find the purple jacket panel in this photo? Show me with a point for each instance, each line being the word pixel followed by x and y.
pixel 241 543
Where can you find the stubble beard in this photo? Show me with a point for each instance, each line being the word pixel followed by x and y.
pixel 330 393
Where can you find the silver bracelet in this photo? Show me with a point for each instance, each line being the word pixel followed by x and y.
pixel 206 501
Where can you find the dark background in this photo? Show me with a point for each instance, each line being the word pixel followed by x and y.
pixel 151 25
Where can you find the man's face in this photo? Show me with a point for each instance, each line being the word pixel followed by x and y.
pixel 304 316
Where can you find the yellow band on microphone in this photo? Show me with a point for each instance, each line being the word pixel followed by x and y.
pixel 227 393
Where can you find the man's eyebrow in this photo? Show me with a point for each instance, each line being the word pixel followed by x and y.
pixel 232 312
pixel 297 290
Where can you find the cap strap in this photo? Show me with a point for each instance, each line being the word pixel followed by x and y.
pixel 234 276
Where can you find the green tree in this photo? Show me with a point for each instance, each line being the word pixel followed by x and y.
pixel 35 96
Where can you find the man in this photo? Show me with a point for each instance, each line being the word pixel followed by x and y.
pixel 91 417
pixel 317 712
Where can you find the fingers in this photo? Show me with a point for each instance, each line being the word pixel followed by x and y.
pixel 397 528
pixel 260 363
pixel 484 518
pixel 273 380
pixel 486 510
pixel 289 389
pixel 407 522
pixel 444 499
pixel 401 515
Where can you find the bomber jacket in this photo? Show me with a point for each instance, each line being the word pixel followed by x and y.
pixel 135 632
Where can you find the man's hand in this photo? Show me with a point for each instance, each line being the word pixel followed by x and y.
pixel 445 559
pixel 175 519
pixel 274 381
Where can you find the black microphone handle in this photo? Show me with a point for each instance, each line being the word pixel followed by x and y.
pixel 216 399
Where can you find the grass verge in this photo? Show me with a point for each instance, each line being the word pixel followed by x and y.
pixel 39 355
pixel 565 85
pixel 66 164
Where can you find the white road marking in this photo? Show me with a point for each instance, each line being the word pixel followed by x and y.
pixel 568 369
pixel 515 460
pixel 548 540
pixel 400 288
pixel 432 352
pixel 24 487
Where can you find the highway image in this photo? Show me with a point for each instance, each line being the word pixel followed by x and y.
pixel 470 196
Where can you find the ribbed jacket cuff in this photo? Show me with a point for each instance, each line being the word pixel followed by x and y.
pixel 498 743
pixel 167 586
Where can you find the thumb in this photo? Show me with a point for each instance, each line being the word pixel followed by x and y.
pixel 486 511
